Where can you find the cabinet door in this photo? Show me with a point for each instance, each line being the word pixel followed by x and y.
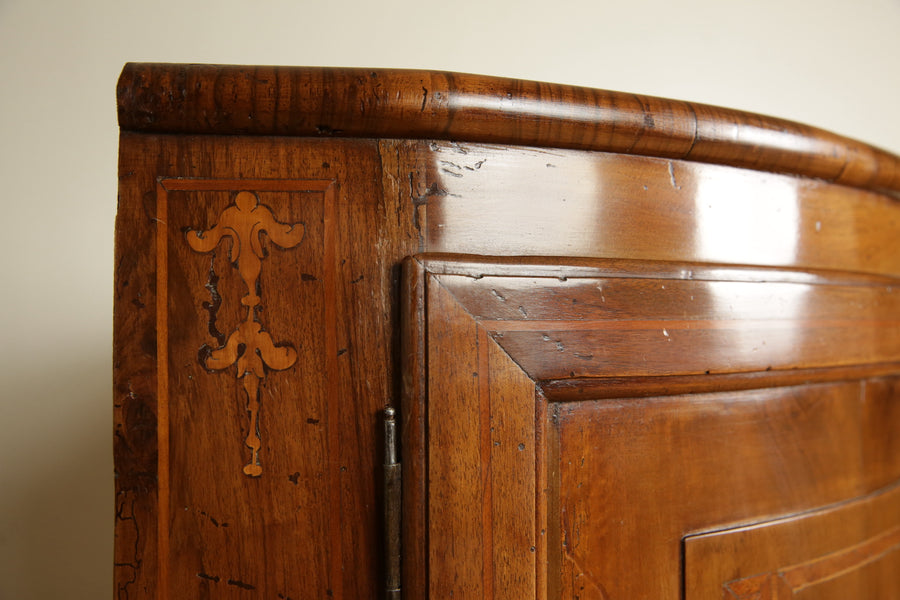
pixel 568 425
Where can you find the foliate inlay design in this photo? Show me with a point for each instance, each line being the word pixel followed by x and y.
pixel 249 347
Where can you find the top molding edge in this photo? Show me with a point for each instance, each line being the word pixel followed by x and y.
pixel 412 104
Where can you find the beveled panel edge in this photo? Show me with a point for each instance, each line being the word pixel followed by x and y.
pixel 564 267
pixel 579 388
pixel 421 294
pixel 414 564
pixel 418 104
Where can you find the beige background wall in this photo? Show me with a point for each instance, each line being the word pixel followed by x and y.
pixel 831 63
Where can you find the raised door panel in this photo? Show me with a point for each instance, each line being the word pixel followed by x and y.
pixel 567 425
pixel 637 475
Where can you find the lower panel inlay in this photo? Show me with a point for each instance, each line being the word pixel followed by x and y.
pixel 849 550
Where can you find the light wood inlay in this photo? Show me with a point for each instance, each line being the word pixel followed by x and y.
pixel 249 346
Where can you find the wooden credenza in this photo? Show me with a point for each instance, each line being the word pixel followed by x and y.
pixel 639 348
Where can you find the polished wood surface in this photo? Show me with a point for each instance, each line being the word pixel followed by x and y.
pixel 523 202
pixel 624 335
pixel 392 103
pixel 591 326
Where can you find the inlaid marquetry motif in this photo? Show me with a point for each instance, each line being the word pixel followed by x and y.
pixel 249 347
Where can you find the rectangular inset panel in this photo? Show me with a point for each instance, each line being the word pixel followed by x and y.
pixel 637 475
pixel 247 386
pixel 849 550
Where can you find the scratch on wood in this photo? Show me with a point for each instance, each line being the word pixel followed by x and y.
pixel 586 577
pixel 240 584
pixel 213 520
pixel 451 168
pixel 672 176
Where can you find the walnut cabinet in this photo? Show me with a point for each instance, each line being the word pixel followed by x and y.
pixel 637 348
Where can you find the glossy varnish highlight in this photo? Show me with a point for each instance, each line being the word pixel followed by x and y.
pixel 524 202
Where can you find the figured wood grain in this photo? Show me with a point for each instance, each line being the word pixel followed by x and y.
pixel 390 103
pixel 135 385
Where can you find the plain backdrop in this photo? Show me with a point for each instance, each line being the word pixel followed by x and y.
pixel 834 64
